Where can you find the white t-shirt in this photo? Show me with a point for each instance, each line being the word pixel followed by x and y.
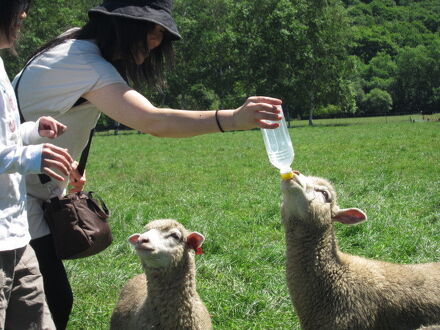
pixel 15 160
pixel 50 86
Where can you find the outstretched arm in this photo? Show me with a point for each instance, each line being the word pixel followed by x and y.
pixel 132 109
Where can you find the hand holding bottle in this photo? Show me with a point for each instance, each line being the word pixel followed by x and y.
pixel 257 111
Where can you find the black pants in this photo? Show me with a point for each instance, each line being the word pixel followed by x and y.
pixel 56 284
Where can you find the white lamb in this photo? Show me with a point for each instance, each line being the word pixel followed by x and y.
pixel 334 290
pixel 165 297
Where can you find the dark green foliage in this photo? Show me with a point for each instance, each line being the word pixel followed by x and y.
pixel 418 78
pixel 377 101
pixel 47 19
pixel 398 41
pixel 321 57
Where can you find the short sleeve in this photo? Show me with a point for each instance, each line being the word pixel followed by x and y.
pixel 56 79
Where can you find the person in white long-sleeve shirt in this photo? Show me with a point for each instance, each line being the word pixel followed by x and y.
pixel 22 301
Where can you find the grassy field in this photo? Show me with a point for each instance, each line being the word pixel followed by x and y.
pixel 223 186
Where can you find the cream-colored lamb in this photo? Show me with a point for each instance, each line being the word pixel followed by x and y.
pixel 334 290
pixel 165 297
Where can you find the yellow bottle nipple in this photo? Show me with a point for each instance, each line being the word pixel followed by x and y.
pixel 287 176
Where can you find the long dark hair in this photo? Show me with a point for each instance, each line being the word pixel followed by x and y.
pixel 10 10
pixel 120 39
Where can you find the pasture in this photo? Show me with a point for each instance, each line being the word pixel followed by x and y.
pixel 223 186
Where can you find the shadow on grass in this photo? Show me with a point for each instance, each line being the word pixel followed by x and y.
pixel 324 125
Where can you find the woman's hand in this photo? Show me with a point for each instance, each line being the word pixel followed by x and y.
pixel 255 112
pixel 77 181
pixel 50 128
pixel 55 158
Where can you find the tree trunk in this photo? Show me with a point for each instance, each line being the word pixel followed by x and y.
pixel 287 116
pixel 312 109
pixel 311 117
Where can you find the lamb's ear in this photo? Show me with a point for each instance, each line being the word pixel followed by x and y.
pixel 133 239
pixel 350 216
pixel 195 241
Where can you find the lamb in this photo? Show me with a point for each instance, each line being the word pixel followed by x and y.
pixel 165 297
pixel 334 290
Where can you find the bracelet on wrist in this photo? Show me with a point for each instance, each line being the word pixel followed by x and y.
pixel 218 122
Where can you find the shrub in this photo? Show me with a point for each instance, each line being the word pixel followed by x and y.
pixel 377 101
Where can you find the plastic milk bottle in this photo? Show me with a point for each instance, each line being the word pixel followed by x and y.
pixel 279 147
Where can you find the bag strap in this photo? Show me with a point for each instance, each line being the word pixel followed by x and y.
pixel 44 178
pixel 85 154
pixel 22 120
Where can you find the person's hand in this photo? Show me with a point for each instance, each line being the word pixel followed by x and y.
pixel 77 181
pixel 256 111
pixel 55 158
pixel 50 128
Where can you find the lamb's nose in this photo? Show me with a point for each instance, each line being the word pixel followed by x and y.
pixel 142 240
pixel 296 172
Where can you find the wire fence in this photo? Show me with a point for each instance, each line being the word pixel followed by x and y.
pixel 373 119
pixel 119 129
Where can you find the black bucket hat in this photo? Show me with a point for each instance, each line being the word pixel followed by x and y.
pixel 155 11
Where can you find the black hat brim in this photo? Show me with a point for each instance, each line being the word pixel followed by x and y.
pixel 144 13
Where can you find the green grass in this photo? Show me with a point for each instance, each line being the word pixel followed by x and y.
pixel 223 186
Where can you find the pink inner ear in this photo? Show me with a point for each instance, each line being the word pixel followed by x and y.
pixel 133 238
pixel 195 240
pixel 350 216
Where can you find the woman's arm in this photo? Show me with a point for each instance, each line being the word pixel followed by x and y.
pixel 125 105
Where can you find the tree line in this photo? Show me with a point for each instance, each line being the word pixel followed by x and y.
pixel 324 58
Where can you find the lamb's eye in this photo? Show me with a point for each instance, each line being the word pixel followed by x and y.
pixel 326 195
pixel 176 236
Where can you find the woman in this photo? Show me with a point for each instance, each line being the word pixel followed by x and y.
pixel 123 41
pixel 22 300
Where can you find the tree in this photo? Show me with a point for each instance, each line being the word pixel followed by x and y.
pixel 418 78
pixel 377 101
pixel 297 50
pixel 47 19
pixel 397 42
pixel 269 36
pixel 283 48
pixel 379 73
pixel 325 68
pixel 369 41
pixel 207 56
